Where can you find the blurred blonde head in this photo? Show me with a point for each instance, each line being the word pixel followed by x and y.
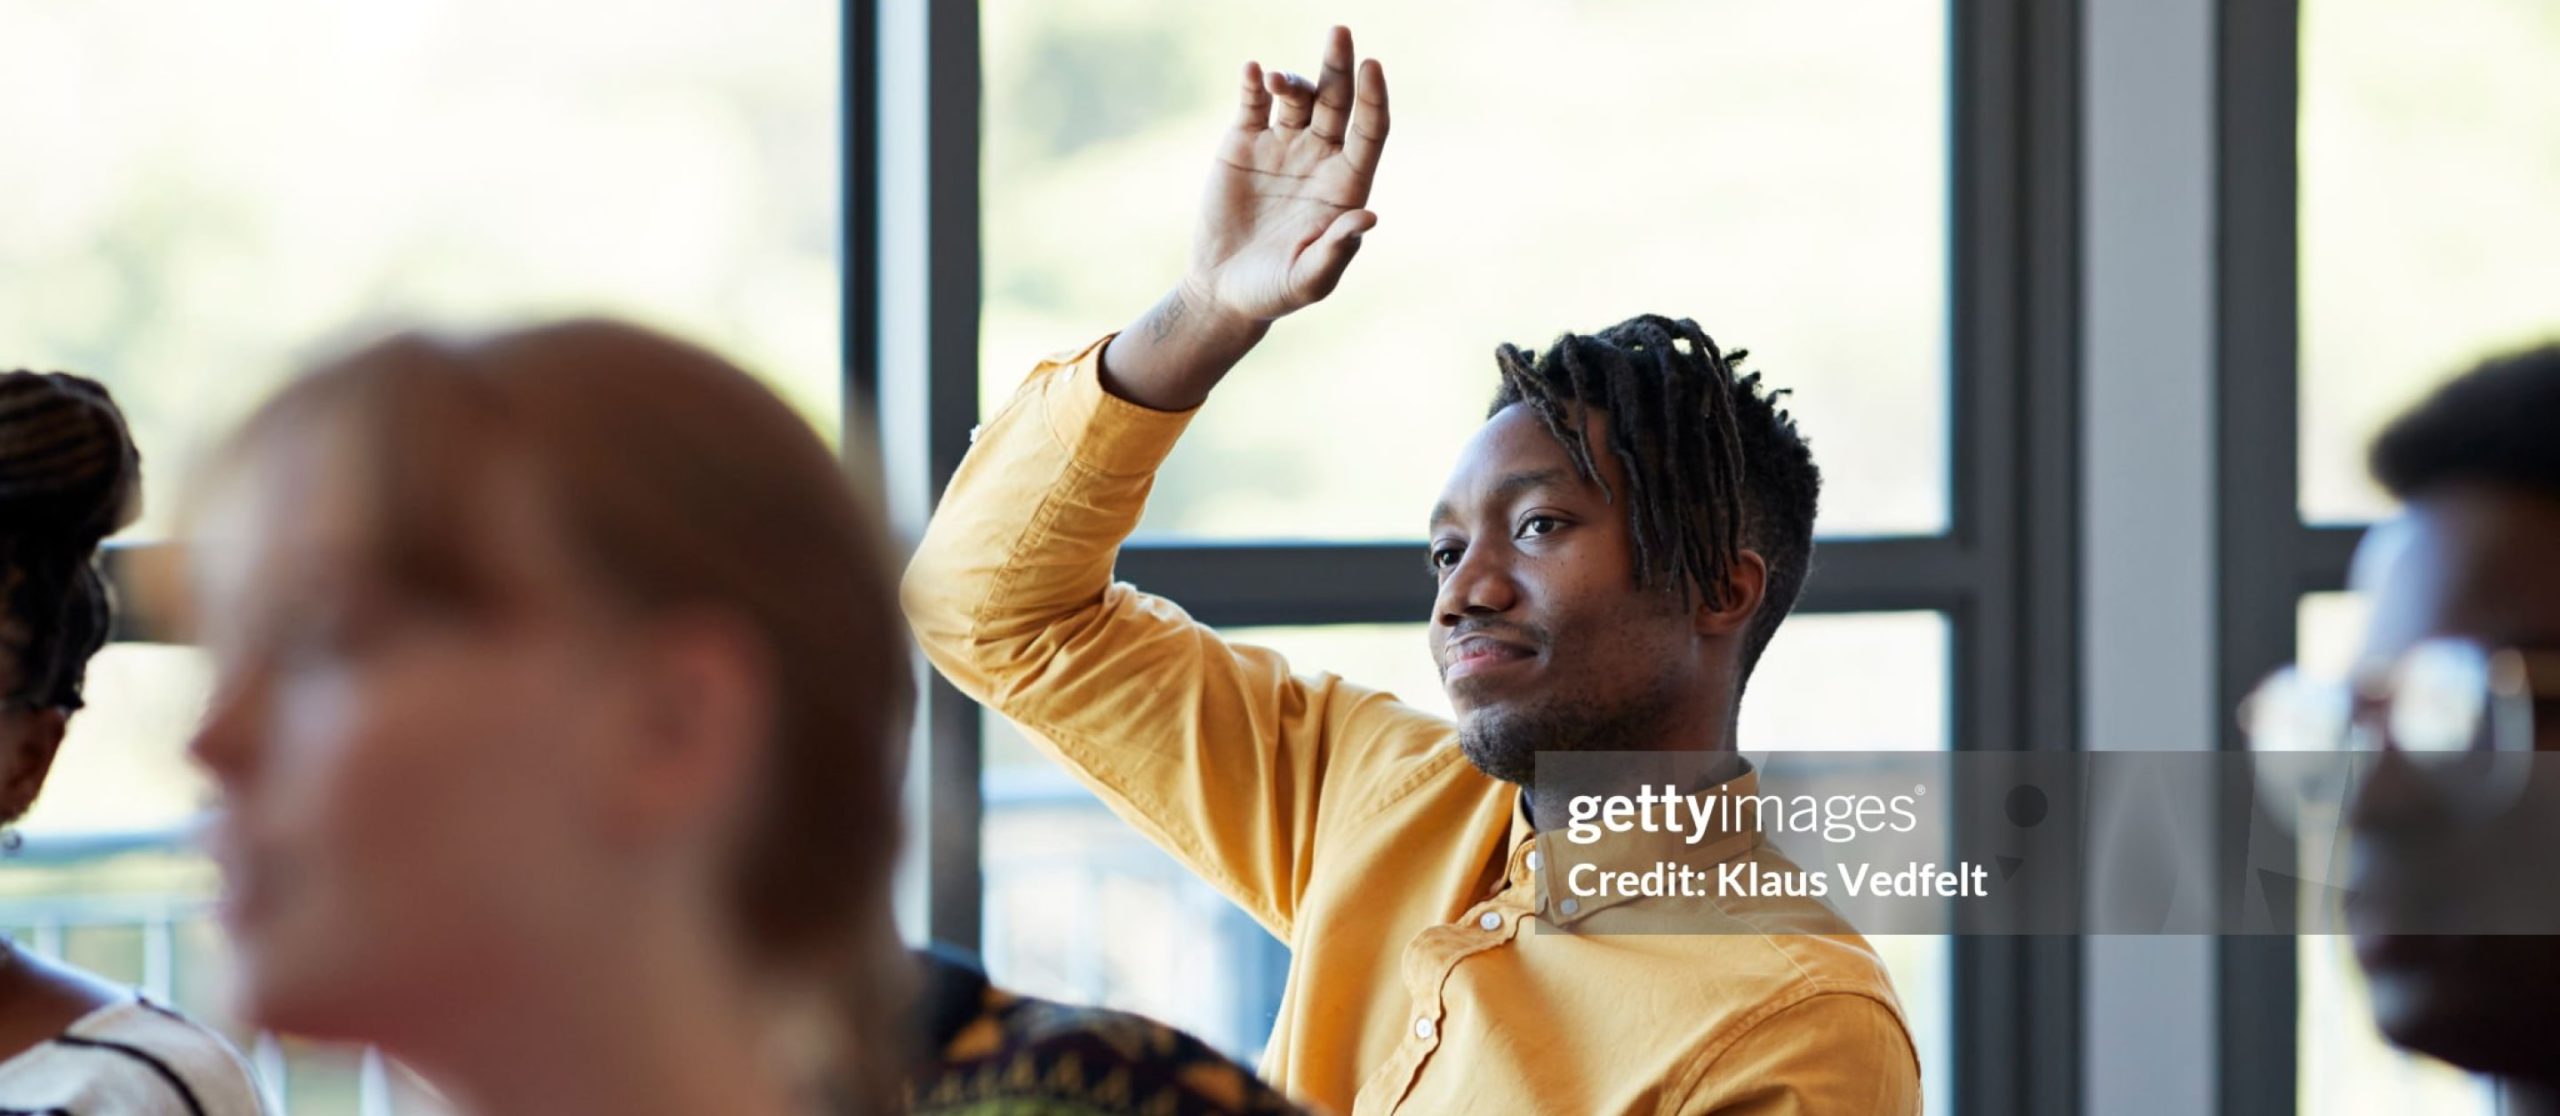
pixel 533 646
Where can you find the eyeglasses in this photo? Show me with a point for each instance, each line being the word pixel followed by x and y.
pixel 2462 713
pixel 2443 696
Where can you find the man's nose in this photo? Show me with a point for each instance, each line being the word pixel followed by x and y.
pixel 1481 584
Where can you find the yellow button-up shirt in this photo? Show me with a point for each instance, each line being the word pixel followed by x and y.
pixel 1430 974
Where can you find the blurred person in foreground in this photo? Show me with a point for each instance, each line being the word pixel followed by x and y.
pixel 71 1042
pixel 1615 548
pixel 559 724
pixel 2464 586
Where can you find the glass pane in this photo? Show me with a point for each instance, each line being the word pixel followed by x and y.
pixel 1161 942
pixel 204 192
pixel 2342 1064
pixel 1869 682
pixel 2428 235
pixel 1777 172
pixel 122 768
pixel 223 190
pixel 2329 631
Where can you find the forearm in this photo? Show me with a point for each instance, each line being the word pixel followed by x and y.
pixel 1175 353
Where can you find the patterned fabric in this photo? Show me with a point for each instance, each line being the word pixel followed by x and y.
pixel 1019 1056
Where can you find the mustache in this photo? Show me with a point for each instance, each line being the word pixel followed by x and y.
pixel 1532 634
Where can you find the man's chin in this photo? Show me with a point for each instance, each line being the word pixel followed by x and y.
pixel 1507 756
pixel 2432 1013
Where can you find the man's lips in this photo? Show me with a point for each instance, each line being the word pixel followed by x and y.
pixel 1479 653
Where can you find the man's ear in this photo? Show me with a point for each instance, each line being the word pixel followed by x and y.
pixel 1744 584
pixel 28 743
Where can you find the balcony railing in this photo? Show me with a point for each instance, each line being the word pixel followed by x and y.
pixel 137 908
pixel 1079 908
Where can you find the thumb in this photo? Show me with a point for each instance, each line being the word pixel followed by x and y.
pixel 1321 264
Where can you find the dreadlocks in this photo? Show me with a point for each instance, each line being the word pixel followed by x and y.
pixel 1713 466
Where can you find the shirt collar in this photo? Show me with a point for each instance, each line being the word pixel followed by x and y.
pixel 1545 861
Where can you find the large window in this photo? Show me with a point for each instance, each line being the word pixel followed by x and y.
pixel 199 195
pixel 2385 222
pixel 1866 196
pixel 1782 175
pixel 2429 235
pixel 1776 172
pixel 2428 242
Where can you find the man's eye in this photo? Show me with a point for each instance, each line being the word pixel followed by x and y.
pixel 1443 557
pixel 1538 525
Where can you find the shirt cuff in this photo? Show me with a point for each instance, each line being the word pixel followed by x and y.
pixel 1104 432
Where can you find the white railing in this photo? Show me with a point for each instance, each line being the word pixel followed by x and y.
pixel 1079 908
pixel 59 917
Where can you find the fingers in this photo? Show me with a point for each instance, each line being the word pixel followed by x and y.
pixel 1368 136
pixel 1296 97
pixel 1321 265
pixel 1333 87
pixel 1254 114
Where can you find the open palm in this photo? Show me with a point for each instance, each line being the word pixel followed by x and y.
pixel 1285 206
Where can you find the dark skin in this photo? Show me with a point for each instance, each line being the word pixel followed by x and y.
pixel 1544 638
pixel 2480 563
pixel 38 998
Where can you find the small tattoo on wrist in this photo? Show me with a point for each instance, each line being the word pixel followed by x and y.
pixel 1168 314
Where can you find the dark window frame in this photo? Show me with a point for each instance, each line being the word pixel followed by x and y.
pixel 2268 557
pixel 2005 573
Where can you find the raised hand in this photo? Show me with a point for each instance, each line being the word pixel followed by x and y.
pixel 1283 214
pixel 1285 205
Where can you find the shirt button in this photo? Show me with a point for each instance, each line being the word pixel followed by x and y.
pixel 1490 921
pixel 1569 906
pixel 1533 860
pixel 1422 1028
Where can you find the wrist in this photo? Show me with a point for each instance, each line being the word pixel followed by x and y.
pixel 1201 310
pixel 1170 358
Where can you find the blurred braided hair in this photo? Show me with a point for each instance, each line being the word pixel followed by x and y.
pixel 1713 465
pixel 69 477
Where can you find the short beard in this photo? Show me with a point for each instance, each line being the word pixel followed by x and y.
pixel 1504 743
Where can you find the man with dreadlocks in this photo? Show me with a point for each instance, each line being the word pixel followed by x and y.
pixel 1613 550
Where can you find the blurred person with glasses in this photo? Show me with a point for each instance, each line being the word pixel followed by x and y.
pixel 71 1042
pixel 1615 546
pixel 2434 744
